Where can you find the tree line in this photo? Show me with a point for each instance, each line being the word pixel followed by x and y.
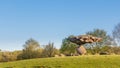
pixel 32 49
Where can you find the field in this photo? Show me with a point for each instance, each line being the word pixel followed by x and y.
pixel 67 62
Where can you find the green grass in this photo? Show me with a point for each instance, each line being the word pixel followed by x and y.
pixel 67 62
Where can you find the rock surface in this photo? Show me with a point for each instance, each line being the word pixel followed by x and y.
pixel 81 50
pixel 83 39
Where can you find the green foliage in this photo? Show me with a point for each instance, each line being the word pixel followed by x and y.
pixel 68 47
pixel 9 56
pixel 49 50
pixel 116 50
pixel 97 47
pixel 99 33
pixel 107 49
pixel 67 62
pixel 31 45
pixel 30 50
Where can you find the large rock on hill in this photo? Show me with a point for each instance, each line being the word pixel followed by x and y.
pixel 83 39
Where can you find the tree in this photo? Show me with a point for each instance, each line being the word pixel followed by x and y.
pixel 106 40
pixel 116 50
pixel 116 34
pixel 7 56
pixel 49 50
pixel 67 47
pixel 30 50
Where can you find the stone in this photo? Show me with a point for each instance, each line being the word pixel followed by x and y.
pixel 81 50
pixel 83 39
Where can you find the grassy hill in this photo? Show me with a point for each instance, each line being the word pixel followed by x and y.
pixel 67 62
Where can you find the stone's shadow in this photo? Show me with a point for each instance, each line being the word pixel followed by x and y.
pixel 8 67
pixel 46 67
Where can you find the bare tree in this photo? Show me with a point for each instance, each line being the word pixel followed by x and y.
pixel 116 34
pixel 30 50
pixel 49 50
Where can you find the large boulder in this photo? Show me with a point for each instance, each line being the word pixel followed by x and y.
pixel 81 50
pixel 83 39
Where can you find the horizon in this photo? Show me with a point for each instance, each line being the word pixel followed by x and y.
pixel 51 21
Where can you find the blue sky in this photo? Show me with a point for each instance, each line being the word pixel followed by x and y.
pixel 53 20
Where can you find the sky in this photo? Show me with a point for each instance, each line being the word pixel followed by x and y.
pixel 53 20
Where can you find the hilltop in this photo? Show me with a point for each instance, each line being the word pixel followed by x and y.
pixel 105 61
